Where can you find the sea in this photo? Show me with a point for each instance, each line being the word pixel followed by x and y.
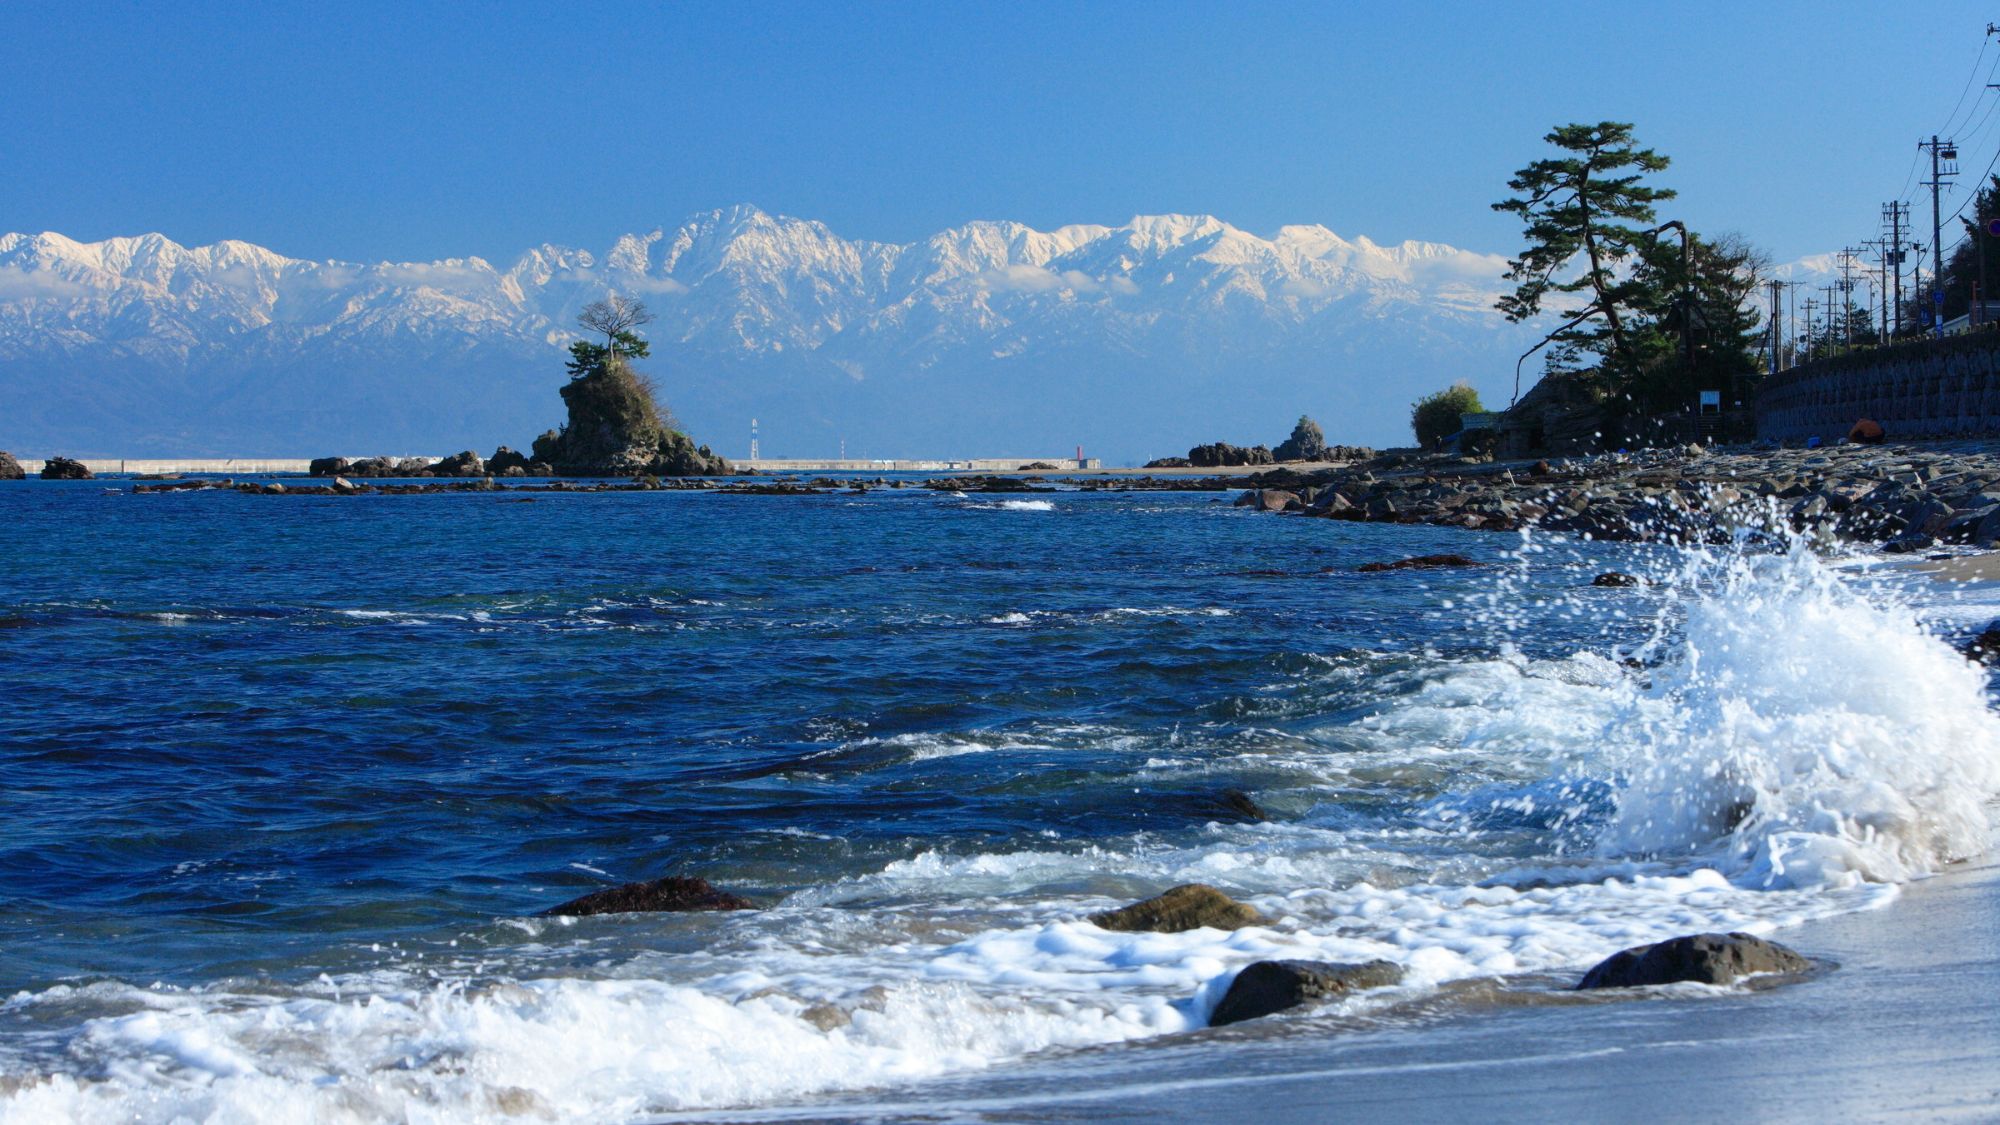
pixel 286 783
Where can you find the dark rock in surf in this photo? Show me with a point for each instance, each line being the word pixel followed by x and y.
pixel 1270 500
pixel 1985 648
pixel 1273 986
pixel 1704 958
pixel 62 468
pixel 10 469
pixel 1239 802
pixel 673 893
pixel 1617 578
pixel 1421 562
pixel 1190 906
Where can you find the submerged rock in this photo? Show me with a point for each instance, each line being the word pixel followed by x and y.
pixel 1190 906
pixel 1421 562
pixel 1270 500
pixel 1273 986
pixel 1617 578
pixel 62 468
pixel 10 469
pixel 1705 958
pixel 675 892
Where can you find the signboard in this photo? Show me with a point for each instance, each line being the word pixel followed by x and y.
pixel 1711 402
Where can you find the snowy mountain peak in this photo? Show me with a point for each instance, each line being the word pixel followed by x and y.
pixel 761 314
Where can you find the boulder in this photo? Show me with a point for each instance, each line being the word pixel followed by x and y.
pixel 329 466
pixel 1307 443
pixel 1985 648
pixel 1170 463
pixel 462 464
pixel 504 459
pixel 1190 906
pixel 1421 562
pixel 411 467
pixel 345 487
pixel 1222 454
pixel 62 468
pixel 1705 958
pixel 371 467
pixel 675 892
pixel 1867 431
pixel 1273 986
pixel 10 469
pixel 1270 500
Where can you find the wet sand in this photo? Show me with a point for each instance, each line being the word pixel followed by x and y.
pixel 1907 1027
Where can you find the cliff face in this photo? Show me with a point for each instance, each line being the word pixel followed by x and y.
pixel 615 429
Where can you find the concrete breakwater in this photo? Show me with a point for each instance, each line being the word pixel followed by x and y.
pixel 1922 388
pixel 267 466
pixel 228 466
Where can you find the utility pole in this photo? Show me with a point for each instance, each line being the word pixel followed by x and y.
pixel 1881 286
pixel 1776 327
pixel 1847 264
pixel 1896 215
pixel 1944 165
pixel 1809 329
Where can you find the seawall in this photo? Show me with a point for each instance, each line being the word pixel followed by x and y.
pixel 1917 389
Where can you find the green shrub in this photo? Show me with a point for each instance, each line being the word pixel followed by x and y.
pixel 1436 417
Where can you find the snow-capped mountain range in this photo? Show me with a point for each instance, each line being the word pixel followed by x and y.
pixel 989 339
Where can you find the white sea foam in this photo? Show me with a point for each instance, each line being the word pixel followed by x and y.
pixel 1017 506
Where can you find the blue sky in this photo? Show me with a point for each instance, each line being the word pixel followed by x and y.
pixel 415 131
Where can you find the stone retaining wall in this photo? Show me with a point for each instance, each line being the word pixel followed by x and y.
pixel 1924 388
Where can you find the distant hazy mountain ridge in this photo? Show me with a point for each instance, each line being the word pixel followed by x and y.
pixel 989 338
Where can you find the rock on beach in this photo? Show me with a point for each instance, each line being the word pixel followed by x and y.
pixel 1274 986
pixel 1703 958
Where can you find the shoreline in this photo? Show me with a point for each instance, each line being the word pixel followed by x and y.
pixel 1892 1030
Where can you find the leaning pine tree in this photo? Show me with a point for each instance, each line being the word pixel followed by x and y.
pixel 1584 214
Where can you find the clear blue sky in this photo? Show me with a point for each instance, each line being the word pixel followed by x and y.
pixel 418 131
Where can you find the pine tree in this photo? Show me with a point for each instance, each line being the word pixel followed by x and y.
pixel 1588 207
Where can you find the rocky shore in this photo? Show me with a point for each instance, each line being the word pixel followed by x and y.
pixel 1906 497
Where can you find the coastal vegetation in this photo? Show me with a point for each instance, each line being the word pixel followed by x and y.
pixel 1650 312
pixel 1435 417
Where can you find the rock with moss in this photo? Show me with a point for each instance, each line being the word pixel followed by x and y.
pixel 1190 906
pixel 10 469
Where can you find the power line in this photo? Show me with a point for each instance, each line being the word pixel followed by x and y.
pixel 1984 43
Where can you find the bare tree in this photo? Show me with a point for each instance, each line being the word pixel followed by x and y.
pixel 613 316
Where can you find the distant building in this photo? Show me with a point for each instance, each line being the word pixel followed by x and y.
pixel 1989 311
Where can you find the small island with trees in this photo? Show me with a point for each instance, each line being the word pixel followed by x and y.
pixel 616 426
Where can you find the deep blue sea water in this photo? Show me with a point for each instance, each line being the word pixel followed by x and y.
pixel 283 781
